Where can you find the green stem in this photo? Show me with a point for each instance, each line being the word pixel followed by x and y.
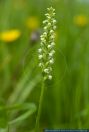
pixel 8 129
pixel 40 107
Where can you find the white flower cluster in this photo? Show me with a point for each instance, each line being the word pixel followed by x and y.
pixel 46 50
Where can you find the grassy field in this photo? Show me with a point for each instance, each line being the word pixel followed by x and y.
pixel 66 97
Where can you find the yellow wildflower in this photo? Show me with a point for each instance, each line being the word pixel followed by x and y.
pixel 10 35
pixel 80 20
pixel 32 23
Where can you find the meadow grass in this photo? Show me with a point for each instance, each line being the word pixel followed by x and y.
pixel 66 98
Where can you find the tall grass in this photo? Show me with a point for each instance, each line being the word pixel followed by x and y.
pixel 66 101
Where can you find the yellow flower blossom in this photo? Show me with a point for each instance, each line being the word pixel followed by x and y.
pixel 10 35
pixel 80 20
pixel 32 23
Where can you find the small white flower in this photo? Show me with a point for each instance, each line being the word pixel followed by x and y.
pixel 40 56
pixel 50 77
pixel 49 46
pixel 46 14
pixel 54 27
pixel 45 28
pixel 48 17
pixel 44 33
pixel 54 14
pixel 39 50
pixel 49 24
pixel 44 41
pixel 46 50
pixel 54 21
pixel 48 9
pixel 46 70
pixel 50 54
pixel 53 51
pixel 51 31
pixel 52 37
pixel 51 61
pixel 40 64
pixel 53 9
pixel 42 38
pixel 44 21
pixel 52 44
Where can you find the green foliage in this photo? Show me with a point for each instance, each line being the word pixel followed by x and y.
pixel 66 98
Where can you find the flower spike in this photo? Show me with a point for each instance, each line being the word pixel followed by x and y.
pixel 46 50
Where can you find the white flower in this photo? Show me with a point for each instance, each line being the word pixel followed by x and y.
pixel 44 21
pixel 51 31
pixel 51 61
pixel 46 50
pixel 50 54
pixel 52 44
pixel 42 39
pixel 39 50
pixel 54 14
pixel 48 17
pixel 40 56
pixel 50 77
pixel 52 37
pixel 54 21
pixel 53 51
pixel 48 9
pixel 46 14
pixel 49 46
pixel 45 33
pixel 49 24
pixel 45 28
pixel 46 70
pixel 40 64
pixel 41 36
pixel 54 27
pixel 53 9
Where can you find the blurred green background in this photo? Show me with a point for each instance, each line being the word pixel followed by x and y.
pixel 66 99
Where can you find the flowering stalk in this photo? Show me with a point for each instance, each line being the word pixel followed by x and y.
pixel 46 53
pixel 46 50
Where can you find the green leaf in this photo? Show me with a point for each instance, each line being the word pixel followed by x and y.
pixel 29 109
pixel 3 115
pixel 3 130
